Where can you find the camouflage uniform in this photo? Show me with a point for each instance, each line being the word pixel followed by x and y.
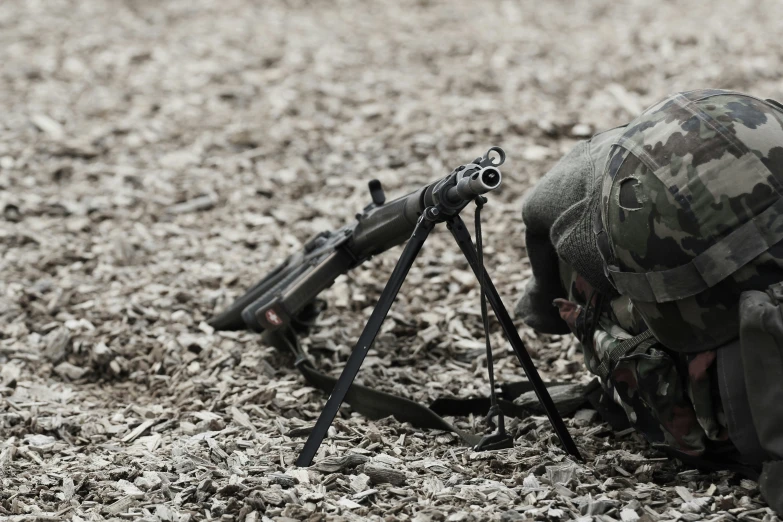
pixel 686 209
pixel 672 413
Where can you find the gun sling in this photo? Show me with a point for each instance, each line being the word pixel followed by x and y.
pixel 375 404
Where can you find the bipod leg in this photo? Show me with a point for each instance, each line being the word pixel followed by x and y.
pixel 371 329
pixel 457 228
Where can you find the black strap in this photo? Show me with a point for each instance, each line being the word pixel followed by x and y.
pixel 371 403
pixel 376 404
pixel 495 411
pixel 610 357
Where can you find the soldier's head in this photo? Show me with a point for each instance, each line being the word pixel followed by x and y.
pixel 691 213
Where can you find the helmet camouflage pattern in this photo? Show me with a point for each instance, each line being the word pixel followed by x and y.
pixel 692 215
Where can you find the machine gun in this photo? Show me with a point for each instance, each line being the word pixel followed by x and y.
pixel 275 303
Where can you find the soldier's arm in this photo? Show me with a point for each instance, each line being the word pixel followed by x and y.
pixel 560 189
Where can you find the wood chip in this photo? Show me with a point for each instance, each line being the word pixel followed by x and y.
pixel 120 506
pixel 152 172
pixel 380 474
pixel 138 430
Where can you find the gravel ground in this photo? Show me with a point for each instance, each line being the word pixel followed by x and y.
pixel 156 158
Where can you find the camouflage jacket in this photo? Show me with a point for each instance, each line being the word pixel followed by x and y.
pixel 685 206
pixel 671 398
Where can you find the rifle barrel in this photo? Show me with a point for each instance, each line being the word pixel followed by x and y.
pixel 476 184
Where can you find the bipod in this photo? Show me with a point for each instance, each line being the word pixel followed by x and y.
pixel 499 439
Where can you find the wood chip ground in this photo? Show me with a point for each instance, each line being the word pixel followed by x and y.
pixel 156 158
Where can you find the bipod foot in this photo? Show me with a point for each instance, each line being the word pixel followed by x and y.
pixel 495 441
pixel 498 440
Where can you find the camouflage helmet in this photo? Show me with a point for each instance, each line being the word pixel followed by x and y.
pixel 691 213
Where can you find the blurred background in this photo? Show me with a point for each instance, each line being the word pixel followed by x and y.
pixel 158 157
pixel 195 143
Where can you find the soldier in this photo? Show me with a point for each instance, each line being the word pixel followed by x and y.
pixel 660 245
